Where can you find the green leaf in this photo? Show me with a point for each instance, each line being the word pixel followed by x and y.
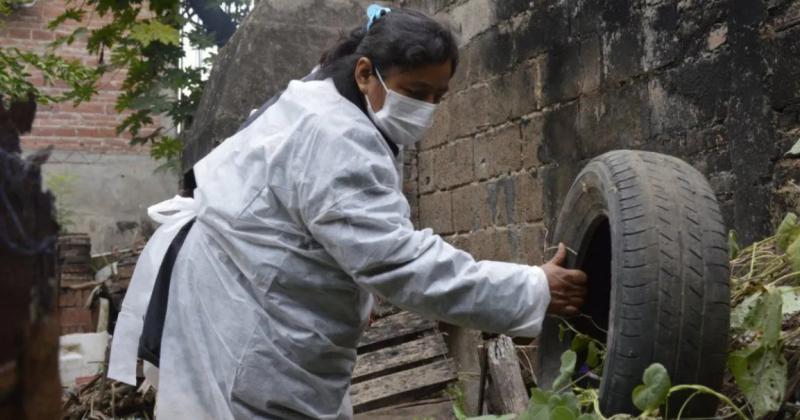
pixel 570 401
pixel 788 231
pixel 567 369
pixel 793 254
pixel 733 245
pixel 71 13
pixel 539 397
pixel 653 392
pixel 772 319
pixel 744 311
pixel 562 413
pixel 593 355
pixel 791 299
pixel 151 31
pixel 762 313
pixel 760 369
pixel 538 408
pixel 760 373
pixel 580 342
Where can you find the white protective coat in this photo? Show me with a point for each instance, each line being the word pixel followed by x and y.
pixel 300 218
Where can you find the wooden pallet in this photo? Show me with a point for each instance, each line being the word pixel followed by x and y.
pixel 402 358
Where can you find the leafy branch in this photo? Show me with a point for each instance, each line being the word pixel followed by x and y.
pixel 144 42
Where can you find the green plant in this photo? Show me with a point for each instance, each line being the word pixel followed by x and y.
pixel 594 348
pixel 17 67
pixel 657 388
pixel 144 42
pixel 765 326
pixel 766 297
pixel 574 403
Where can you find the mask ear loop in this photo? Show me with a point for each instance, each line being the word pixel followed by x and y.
pixel 377 73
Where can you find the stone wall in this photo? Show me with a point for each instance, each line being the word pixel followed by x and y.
pixel 545 86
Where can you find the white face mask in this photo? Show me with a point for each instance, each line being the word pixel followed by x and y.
pixel 404 120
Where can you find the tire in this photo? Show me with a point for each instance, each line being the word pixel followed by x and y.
pixel 648 231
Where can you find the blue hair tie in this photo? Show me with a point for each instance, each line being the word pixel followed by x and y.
pixel 375 12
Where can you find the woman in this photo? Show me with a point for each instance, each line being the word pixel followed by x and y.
pixel 301 218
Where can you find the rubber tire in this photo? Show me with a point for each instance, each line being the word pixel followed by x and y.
pixel 665 293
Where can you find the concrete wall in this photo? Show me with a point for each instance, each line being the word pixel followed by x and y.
pixel 545 86
pixel 108 194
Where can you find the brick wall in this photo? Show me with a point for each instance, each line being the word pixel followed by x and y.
pixel 87 127
pixel 74 315
pixel 545 86
pixel 110 183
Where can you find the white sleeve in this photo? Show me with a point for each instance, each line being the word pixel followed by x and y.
pixel 354 209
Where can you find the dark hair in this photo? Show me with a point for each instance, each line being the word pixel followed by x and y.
pixel 402 39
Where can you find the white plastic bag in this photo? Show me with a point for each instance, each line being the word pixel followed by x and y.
pixel 172 214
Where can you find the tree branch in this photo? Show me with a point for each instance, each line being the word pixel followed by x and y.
pixel 215 20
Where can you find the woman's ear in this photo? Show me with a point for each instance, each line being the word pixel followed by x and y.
pixel 362 73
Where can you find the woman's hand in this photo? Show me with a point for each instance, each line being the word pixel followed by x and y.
pixel 567 287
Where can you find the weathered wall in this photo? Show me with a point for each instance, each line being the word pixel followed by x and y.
pixel 544 86
pixel 110 183
pixel 108 194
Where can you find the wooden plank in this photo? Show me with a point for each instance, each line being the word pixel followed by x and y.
pixel 402 386
pixel 507 385
pixel 438 409
pixel 394 327
pixel 395 357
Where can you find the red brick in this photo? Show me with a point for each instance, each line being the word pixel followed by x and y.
pixel 91 108
pixel 68 298
pixel 19 33
pixel 89 127
pixel 43 35
pixel 95 132
pixel 74 298
pixel 76 317
pixel 73 329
